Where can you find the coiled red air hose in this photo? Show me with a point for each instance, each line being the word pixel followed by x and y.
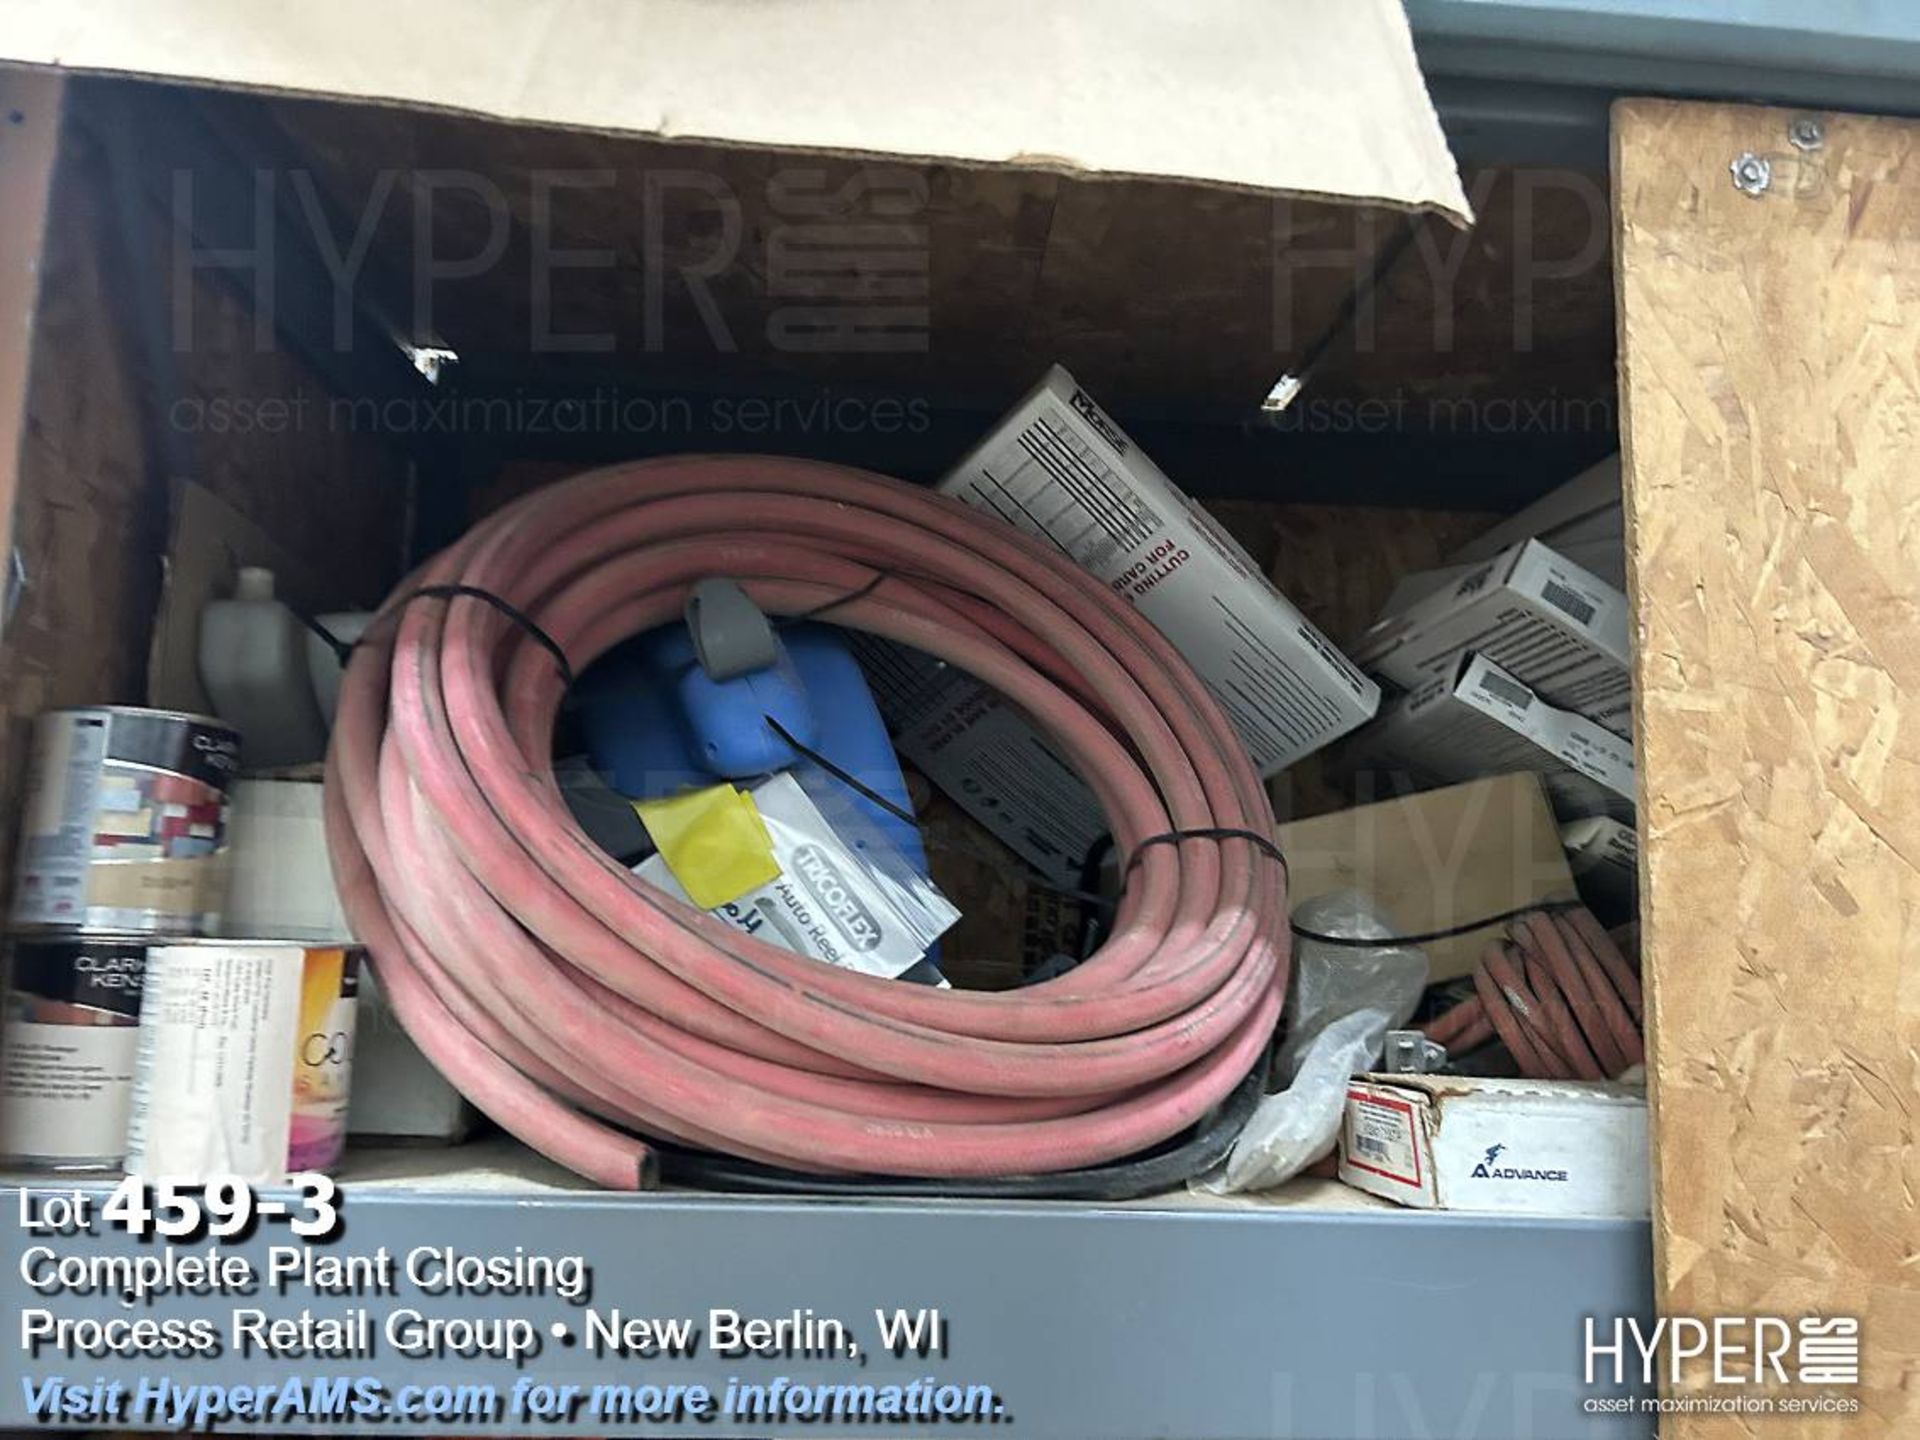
pixel 574 1004
pixel 1559 995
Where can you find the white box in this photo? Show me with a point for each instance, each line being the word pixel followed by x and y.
pixel 1604 855
pixel 397 1094
pixel 1514 1147
pixel 1581 519
pixel 1559 629
pixel 282 888
pixel 1479 720
pixel 281 880
pixel 1058 467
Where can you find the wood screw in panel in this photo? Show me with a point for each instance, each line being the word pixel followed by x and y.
pixel 1807 133
pixel 1751 174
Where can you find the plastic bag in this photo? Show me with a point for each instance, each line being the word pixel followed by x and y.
pixel 864 909
pixel 1341 1002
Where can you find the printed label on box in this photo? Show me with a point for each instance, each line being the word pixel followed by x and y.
pixel 1483 721
pixel 1381 1137
pixel 1060 469
pixel 1557 629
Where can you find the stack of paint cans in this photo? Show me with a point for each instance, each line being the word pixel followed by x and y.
pixel 132 1037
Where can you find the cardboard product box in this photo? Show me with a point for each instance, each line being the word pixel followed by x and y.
pixel 1479 719
pixel 1438 859
pixel 1559 629
pixel 1058 467
pixel 1515 1147
pixel 1582 520
pixel 397 1094
pixel 1604 855
pixel 280 878
pixel 282 886
pixel 984 754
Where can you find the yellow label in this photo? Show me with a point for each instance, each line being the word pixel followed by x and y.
pixel 713 841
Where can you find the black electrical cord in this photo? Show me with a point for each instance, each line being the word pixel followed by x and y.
pixel 1165 1168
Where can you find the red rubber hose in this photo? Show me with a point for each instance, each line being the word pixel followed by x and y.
pixel 1558 994
pixel 577 1005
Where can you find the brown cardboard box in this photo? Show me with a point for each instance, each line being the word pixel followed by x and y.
pixel 1438 859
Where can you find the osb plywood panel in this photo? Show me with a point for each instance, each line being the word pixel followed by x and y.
pixel 1773 444
pixel 698 264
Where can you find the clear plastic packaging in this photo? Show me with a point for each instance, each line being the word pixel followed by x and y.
pixel 1341 1001
pixel 857 903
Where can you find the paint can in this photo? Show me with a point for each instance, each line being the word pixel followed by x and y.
pixel 125 822
pixel 68 1040
pixel 245 1059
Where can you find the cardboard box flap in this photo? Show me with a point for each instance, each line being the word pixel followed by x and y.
pixel 1438 860
pixel 1583 1092
pixel 1293 97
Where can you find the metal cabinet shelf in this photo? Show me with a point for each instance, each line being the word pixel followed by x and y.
pixel 1316 1313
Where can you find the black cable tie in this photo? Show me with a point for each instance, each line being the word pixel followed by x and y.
pixel 880 577
pixel 1385 942
pixel 344 648
pixel 512 612
pixel 1263 843
pixel 839 774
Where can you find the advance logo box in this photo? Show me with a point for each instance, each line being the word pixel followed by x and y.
pixel 1491 1169
pixel 1519 1147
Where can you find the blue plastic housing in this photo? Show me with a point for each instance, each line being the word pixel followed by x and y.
pixel 656 723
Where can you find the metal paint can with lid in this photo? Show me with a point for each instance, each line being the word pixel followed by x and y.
pixel 125 822
pixel 69 1033
pixel 245 1060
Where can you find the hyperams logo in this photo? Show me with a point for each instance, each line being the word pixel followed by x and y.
pixel 1805 1350
pixel 1489 1169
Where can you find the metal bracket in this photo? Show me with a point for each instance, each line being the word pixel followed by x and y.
pixel 1408 1052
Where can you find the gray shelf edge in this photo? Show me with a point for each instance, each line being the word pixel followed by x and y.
pixel 1118 1321
pixel 1529 81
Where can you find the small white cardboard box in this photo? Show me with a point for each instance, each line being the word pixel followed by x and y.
pixel 1516 1147
pixel 397 1094
pixel 1604 855
pixel 282 887
pixel 1059 468
pixel 1479 720
pixel 1557 628
pixel 280 880
pixel 1581 519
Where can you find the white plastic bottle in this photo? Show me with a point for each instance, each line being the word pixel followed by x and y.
pixel 253 662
